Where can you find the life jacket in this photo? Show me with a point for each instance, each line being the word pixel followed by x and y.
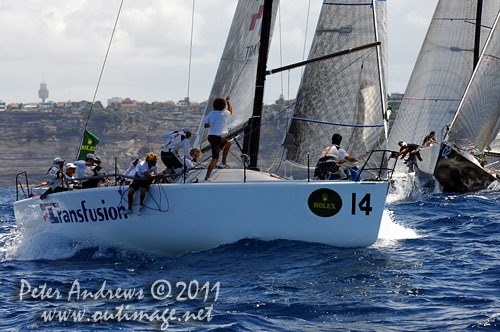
pixel 327 165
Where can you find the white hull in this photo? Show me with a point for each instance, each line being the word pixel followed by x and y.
pixel 429 156
pixel 188 217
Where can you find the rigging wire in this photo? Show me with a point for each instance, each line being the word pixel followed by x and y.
pixel 104 64
pixel 190 51
pixel 281 46
pixel 305 35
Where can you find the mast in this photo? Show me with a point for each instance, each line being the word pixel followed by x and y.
pixel 477 38
pixel 251 143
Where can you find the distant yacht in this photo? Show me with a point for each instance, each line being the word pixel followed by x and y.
pixel 3 105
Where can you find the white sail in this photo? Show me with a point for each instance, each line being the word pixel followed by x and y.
pixel 442 71
pixel 344 90
pixel 477 121
pixel 237 68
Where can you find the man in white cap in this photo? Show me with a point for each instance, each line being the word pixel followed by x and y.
pixel 69 176
pixel 55 178
pixel 175 140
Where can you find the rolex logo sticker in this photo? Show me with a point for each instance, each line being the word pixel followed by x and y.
pixel 324 202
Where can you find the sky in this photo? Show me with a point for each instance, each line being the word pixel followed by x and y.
pixel 63 43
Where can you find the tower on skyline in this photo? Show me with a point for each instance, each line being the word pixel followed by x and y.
pixel 43 92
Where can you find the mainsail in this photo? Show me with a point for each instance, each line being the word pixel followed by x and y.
pixel 477 121
pixel 237 68
pixel 346 90
pixel 442 71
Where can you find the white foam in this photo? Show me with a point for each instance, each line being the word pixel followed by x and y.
pixel 391 232
pixel 18 245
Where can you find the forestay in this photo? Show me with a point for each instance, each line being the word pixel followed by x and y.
pixel 477 121
pixel 442 71
pixel 346 90
pixel 237 68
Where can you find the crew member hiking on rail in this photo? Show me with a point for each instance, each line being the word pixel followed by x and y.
pixel 217 122
pixel 146 172
pixel 55 178
pixel 412 150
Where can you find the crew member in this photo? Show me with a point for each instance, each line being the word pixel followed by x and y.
pixel 55 178
pixel 429 139
pixel 217 122
pixel 175 140
pixel 331 165
pixel 146 172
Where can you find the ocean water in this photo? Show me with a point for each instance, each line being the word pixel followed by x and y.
pixel 435 267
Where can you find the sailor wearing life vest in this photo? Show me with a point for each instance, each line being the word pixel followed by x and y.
pixel 55 178
pixel 175 140
pixel 328 167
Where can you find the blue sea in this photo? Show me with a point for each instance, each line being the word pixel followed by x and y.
pixel 435 267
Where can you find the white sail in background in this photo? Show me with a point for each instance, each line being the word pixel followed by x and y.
pixel 477 121
pixel 442 71
pixel 381 13
pixel 346 90
pixel 237 68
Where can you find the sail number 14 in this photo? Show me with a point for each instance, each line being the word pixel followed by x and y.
pixel 363 205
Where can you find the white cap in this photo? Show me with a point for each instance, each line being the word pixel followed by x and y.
pixel 404 143
pixel 71 165
pixel 90 156
pixel 187 130
pixel 133 158
pixel 58 160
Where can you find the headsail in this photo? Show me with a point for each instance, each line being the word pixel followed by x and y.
pixel 477 121
pixel 346 90
pixel 237 68
pixel 442 71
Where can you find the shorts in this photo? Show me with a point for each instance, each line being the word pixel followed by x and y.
pixel 136 184
pixel 170 160
pixel 217 143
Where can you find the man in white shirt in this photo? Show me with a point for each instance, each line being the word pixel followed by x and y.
pixel 330 160
pixel 217 122
pixel 146 172
pixel 85 168
pixel 134 161
pixel 175 141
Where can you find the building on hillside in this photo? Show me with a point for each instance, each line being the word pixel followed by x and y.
pixel 47 105
pixel 114 100
pixel 3 106
pixel 30 106
pixel 182 103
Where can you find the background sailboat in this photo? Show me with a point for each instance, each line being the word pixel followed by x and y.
pixel 475 125
pixel 456 35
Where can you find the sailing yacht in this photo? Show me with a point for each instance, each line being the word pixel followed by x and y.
pixel 475 126
pixel 451 48
pixel 246 202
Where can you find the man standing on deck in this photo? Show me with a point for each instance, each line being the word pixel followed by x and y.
pixel 217 122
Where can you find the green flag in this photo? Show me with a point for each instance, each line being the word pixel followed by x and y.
pixel 89 143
